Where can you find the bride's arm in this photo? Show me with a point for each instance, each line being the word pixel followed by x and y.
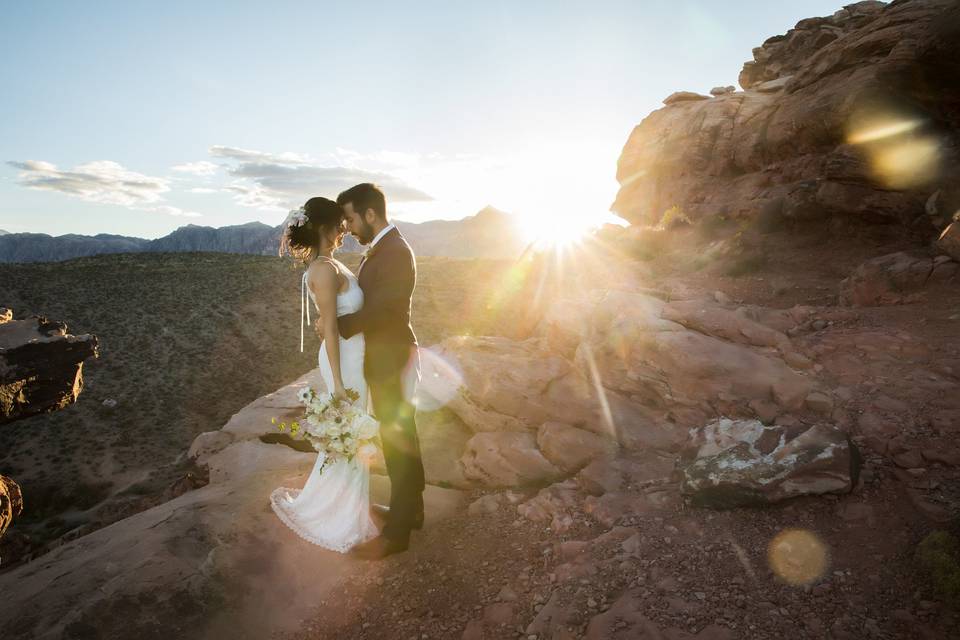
pixel 324 281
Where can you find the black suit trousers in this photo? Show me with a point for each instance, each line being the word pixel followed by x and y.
pixel 391 395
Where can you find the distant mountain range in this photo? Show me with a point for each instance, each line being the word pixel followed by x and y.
pixel 488 234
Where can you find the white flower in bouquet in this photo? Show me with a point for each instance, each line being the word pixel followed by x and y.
pixel 339 428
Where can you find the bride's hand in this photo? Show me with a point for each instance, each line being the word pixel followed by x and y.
pixel 339 393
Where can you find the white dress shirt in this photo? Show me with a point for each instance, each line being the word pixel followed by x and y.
pixel 382 233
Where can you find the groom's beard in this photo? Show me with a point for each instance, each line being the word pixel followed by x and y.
pixel 366 233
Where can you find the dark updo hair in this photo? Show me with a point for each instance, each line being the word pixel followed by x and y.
pixel 302 241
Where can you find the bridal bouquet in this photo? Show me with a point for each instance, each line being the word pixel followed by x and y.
pixel 336 427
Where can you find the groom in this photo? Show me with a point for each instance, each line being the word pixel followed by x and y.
pixel 391 366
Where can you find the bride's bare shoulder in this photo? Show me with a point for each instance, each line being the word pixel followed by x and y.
pixel 326 275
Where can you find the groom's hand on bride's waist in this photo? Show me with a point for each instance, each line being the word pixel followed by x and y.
pixel 318 327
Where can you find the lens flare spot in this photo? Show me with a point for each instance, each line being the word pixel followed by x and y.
pixel 797 556
pixel 900 150
pixel 907 164
pixel 439 383
pixel 880 130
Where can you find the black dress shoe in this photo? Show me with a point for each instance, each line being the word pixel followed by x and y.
pixel 382 511
pixel 378 548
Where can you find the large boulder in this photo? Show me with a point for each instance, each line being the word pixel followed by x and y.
pixel 674 372
pixel 625 365
pixel 734 325
pixel 497 384
pixel 504 385
pixel 745 463
pixel 785 55
pixel 684 96
pixel 850 115
pixel 41 366
pixel 41 370
pixel 626 471
pixel 721 91
pixel 506 459
pixel 570 448
pixel 11 502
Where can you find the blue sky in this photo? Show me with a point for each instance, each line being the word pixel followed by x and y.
pixel 136 118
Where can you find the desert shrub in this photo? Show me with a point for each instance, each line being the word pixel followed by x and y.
pixel 672 217
pixel 939 558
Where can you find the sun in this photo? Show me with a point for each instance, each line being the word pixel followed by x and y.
pixel 559 231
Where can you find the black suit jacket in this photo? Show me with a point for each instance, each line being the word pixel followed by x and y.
pixel 387 275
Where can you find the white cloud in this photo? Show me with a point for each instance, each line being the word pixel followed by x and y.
pixel 246 155
pixel 201 168
pixel 281 181
pixel 98 181
pixel 203 190
pixel 257 197
pixel 101 181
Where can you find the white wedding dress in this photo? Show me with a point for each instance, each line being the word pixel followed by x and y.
pixel 333 508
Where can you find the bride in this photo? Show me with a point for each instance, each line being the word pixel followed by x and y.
pixel 333 508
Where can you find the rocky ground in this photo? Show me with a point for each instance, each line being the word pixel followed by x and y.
pixel 680 571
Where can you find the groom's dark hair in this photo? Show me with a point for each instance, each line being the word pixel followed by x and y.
pixel 363 196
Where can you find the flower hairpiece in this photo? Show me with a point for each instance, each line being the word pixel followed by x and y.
pixel 296 218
